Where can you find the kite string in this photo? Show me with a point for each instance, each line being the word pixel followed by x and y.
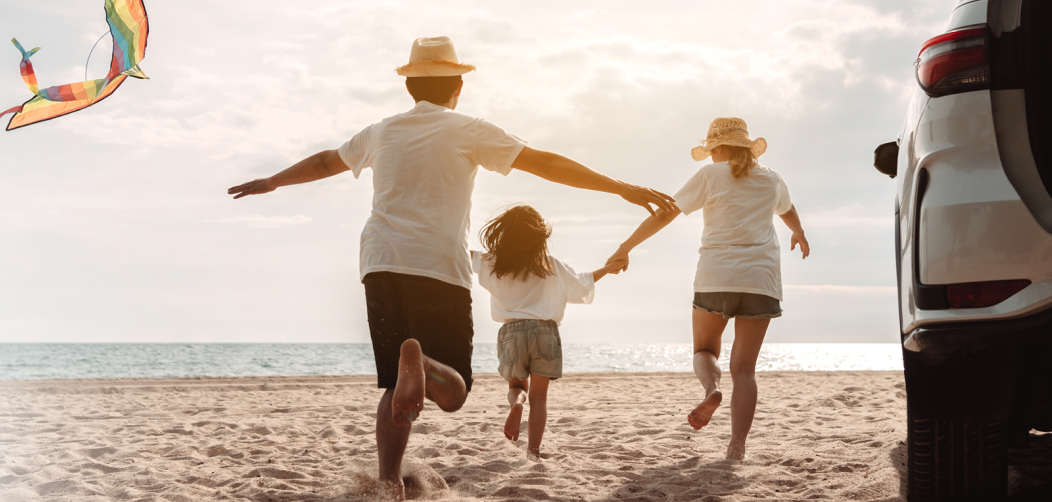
pixel 89 55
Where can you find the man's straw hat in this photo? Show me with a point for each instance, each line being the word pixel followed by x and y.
pixel 433 57
pixel 731 131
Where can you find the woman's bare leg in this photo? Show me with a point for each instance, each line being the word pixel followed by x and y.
pixel 748 337
pixel 516 398
pixel 708 337
pixel 538 414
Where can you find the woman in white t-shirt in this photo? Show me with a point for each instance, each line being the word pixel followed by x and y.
pixel 530 290
pixel 739 272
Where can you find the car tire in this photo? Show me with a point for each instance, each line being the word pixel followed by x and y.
pixel 956 460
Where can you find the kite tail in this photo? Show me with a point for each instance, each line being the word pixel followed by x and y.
pixel 26 68
pixel 12 110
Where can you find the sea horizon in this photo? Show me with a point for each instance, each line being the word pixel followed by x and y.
pixel 37 361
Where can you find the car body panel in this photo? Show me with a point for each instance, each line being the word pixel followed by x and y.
pixel 1013 142
pixel 957 247
pixel 968 14
pixel 974 205
pixel 1004 15
pixel 973 224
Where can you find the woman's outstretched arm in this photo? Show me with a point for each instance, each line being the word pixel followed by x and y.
pixel 650 226
pixel 609 268
pixel 792 220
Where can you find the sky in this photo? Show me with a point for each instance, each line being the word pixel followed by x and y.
pixel 117 227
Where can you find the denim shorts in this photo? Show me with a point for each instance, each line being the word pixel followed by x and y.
pixel 738 305
pixel 529 346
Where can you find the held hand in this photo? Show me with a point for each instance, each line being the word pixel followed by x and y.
pixel 643 196
pixel 615 267
pixel 798 238
pixel 621 259
pixel 254 187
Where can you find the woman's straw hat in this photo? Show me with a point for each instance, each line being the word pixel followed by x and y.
pixel 731 131
pixel 433 57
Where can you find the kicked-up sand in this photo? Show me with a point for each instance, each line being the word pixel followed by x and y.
pixel 610 436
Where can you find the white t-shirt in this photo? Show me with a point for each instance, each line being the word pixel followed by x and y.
pixel 739 248
pixel 534 298
pixel 424 163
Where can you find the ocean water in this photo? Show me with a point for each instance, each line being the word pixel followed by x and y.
pixel 33 361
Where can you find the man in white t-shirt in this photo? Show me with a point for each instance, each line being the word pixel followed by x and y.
pixel 414 256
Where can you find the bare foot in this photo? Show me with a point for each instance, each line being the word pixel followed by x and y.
pixel 703 413
pixel 511 426
pixel 390 491
pixel 408 399
pixel 533 455
pixel 735 452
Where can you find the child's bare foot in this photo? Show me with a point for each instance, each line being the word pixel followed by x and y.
pixel 736 451
pixel 511 426
pixel 533 455
pixel 408 399
pixel 703 413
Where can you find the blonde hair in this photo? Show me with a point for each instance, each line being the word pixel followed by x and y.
pixel 741 160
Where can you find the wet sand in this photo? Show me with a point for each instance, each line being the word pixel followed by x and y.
pixel 817 435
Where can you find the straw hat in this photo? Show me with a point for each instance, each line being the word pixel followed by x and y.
pixel 731 131
pixel 433 57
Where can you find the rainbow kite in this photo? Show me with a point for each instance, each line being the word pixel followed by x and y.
pixel 128 27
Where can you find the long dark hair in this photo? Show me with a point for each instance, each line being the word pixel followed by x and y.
pixel 517 242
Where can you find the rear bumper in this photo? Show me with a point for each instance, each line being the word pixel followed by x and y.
pixel 983 370
pixel 936 342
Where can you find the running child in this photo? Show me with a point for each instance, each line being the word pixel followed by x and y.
pixel 739 271
pixel 530 290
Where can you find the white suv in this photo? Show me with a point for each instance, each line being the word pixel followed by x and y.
pixel 974 242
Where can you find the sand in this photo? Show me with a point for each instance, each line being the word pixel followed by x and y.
pixel 830 435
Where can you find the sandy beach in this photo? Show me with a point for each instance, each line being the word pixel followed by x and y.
pixel 820 435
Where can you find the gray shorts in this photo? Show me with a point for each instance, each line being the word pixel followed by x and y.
pixel 529 346
pixel 739 305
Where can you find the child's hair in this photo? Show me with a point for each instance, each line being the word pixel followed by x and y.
pixel 741 160
pixel 517 241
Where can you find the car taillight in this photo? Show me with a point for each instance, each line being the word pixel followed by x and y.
pixel 972 295
pixel 954 62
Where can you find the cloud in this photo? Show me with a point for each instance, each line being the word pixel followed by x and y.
pixel 129 195
pixel 283 45
pixel 834 289
pixel 852 215
pixel 259 221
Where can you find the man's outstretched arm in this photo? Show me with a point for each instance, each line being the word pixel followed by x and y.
pixel 318 166
pixel 556 168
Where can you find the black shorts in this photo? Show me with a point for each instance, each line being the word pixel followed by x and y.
pixel 435 313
